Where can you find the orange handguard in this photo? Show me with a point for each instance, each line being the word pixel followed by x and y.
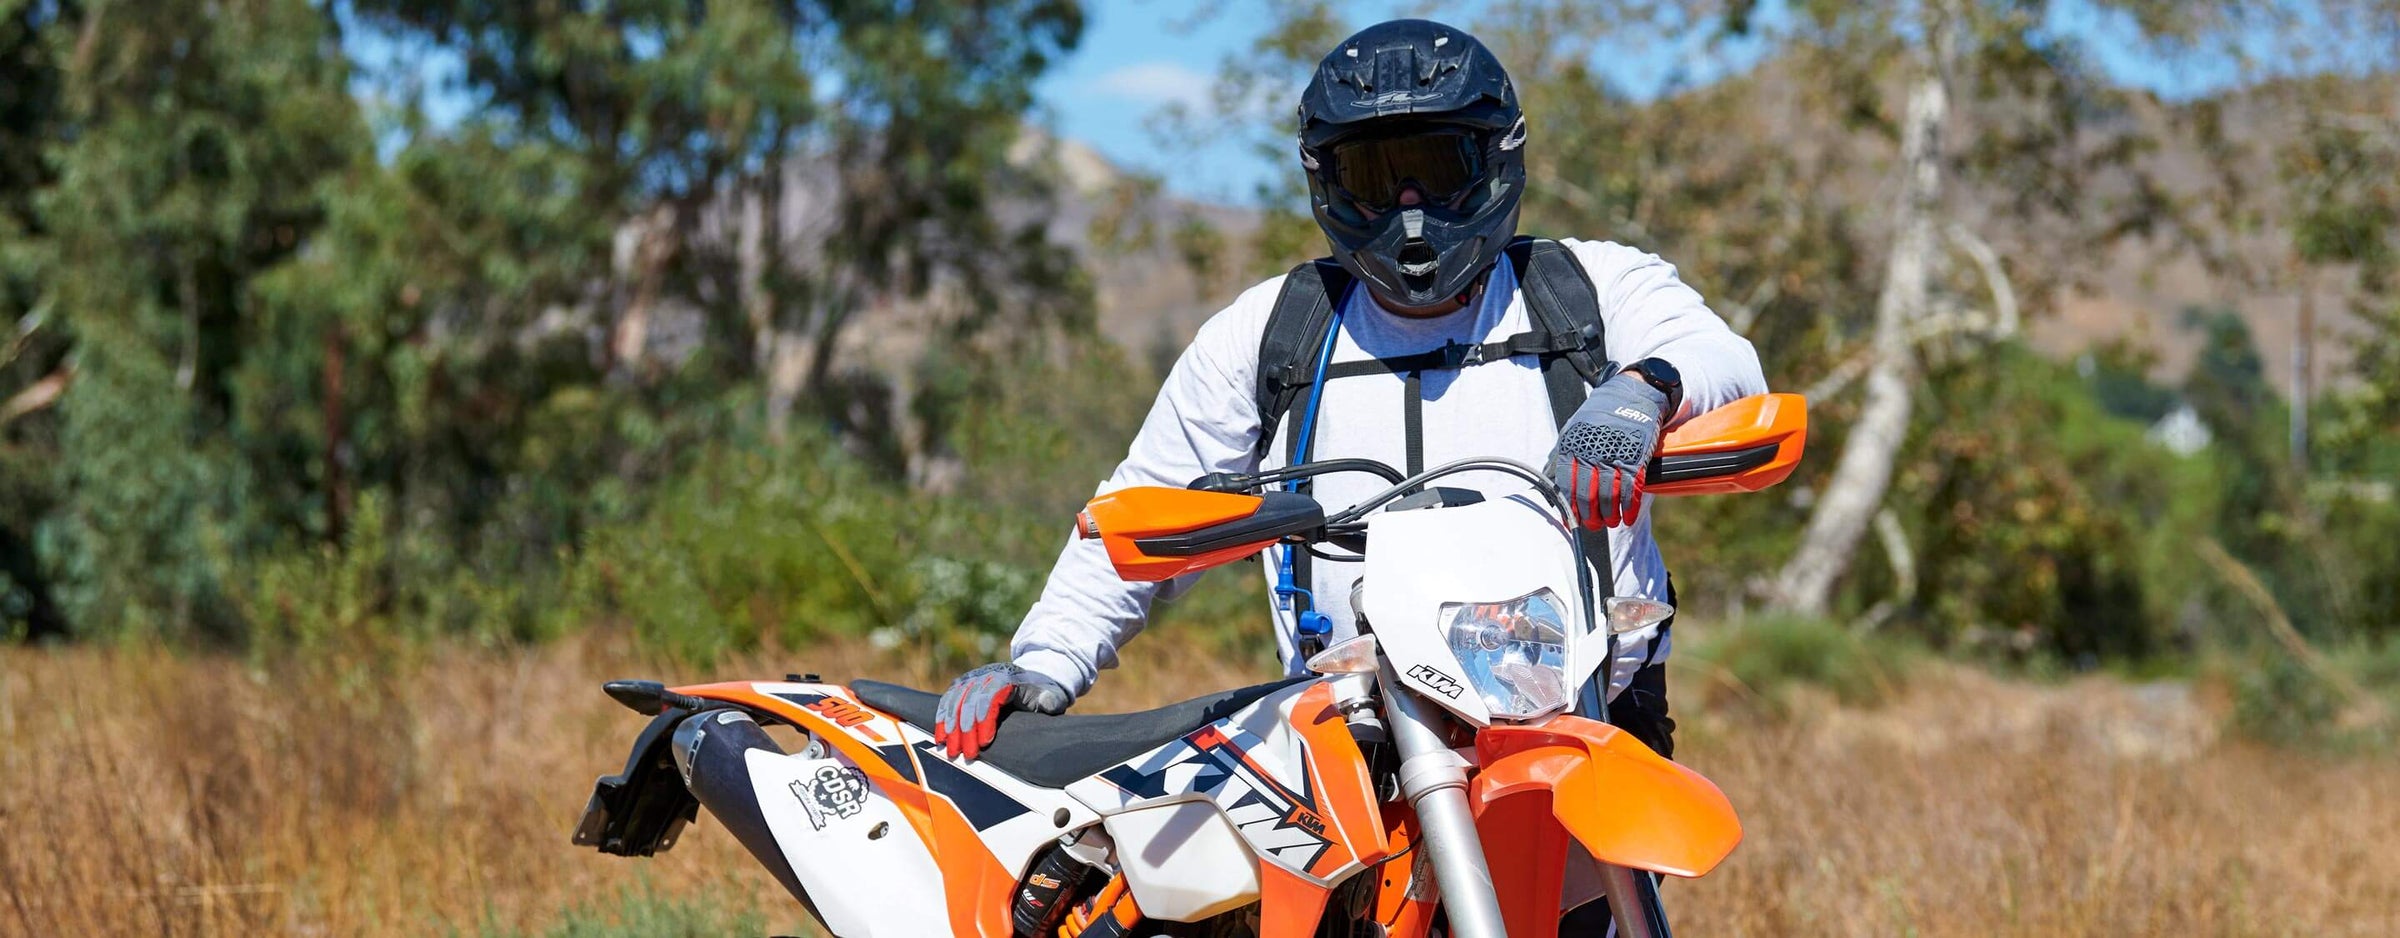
pixel 1155 533
pixel 1743 446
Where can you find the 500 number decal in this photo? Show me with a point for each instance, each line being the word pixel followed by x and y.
pixel 842 712
pixel 846 715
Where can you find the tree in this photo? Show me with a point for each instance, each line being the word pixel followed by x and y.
pixel 239 326
pixel 789 166
pixel 34 372
pixel 188 147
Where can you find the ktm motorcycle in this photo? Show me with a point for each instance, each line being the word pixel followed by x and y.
pixel 1427 778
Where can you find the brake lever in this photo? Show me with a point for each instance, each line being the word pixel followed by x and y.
pixel 1233 482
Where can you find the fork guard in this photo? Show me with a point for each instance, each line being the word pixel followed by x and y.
pixel 1628 806
pixel 1573 780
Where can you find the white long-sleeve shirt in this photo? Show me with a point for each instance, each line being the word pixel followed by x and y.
pixel 1206 420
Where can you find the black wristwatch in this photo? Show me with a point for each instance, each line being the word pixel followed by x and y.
pixel 1661 374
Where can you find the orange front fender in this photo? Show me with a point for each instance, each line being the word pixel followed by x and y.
pixel 1627 805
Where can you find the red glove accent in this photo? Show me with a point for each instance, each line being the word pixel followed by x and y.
pixel 1600 490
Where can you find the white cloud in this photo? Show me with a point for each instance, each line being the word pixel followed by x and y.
pixel 1157 83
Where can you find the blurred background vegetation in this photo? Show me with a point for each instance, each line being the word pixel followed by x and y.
pixel 775 321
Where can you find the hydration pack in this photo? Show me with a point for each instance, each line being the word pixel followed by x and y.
pixel 1567 335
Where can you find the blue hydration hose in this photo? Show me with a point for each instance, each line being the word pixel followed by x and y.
pixel 1311 623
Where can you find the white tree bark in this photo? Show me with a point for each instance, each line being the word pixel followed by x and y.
pixel 655 246
pixel 1856 489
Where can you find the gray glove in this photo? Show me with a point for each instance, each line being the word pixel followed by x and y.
pixel 1604 449
pixel 969 712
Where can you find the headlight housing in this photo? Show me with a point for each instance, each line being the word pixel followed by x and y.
pixel 1514 652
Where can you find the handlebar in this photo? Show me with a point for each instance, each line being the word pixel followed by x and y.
pixel 1350 521
pixel 1156 533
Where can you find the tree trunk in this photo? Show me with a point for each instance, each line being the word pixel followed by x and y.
pixel 789 356
pixel 656 247
pixel 1855 491
pixel 750 270
pixel 187 289
pixel 337 439
pixel 2304 338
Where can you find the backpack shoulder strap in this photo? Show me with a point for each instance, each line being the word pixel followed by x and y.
pixel 1561 300
pixel 1295 331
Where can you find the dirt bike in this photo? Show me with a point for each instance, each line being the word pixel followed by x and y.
pixel 1428 778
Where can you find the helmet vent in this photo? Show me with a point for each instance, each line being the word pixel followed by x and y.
pixel 1418 260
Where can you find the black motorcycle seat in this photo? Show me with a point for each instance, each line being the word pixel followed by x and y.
pixel 1053 751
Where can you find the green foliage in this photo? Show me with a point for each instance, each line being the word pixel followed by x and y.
pixel 1768 657
pixel 797 545
pixel 192 167
pixel 739 541
pixel 2042 522
pixel 2278 700
pixel 313 387
pixel 2321 545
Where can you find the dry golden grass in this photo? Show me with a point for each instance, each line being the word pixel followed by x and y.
pixel 431 791
pixel 1972 806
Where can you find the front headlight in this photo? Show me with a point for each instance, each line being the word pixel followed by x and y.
pixel 1514 652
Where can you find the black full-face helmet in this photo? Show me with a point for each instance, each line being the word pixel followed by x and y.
pixel 1413 104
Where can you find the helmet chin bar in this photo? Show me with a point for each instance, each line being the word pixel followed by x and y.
pixel 1385 253
pixel 1410 299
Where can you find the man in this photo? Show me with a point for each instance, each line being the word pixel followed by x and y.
pixel 1413 144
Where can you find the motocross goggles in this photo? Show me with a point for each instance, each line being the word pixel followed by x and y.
pixel 1443 164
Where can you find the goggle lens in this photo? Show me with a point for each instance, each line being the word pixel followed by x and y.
pixel 1374 170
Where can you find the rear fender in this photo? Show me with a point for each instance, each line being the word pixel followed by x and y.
pixel 975 883
pixel 1627 805
pixel 640 811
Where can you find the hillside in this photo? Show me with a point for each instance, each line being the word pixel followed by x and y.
pixel 2137 293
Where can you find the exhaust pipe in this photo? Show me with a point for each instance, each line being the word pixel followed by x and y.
pixel 712 749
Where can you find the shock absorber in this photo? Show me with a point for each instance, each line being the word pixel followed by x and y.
pixel 1109 914
pixel 1058 879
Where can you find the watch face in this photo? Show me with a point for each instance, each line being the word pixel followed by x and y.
pixel 1660 373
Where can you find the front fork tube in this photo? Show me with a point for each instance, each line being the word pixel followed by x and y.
pixel 1633 902
pixel 1434 779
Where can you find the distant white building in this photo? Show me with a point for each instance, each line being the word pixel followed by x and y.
pixel 2181 431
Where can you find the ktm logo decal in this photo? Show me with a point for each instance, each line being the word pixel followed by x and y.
pixel 1308 821
pixel 1434 678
